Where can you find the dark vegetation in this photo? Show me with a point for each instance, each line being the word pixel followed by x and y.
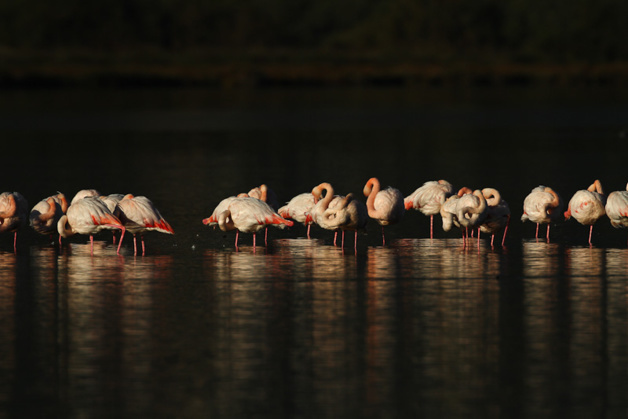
pixel 260 42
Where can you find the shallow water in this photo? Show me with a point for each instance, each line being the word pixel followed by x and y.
pixel 298 327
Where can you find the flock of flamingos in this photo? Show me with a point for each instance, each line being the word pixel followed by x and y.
pixel 468 210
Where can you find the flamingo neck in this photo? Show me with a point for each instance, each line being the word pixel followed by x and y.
pixel 64 228
pixel 371 189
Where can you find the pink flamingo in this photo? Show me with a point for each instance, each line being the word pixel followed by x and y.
pixel 88 215
pixel 222 206
pixel 429 198
pixel 384 206
pixel 355 215
pixel 13 214
pixel 325 211
pixel 249 215
pixel 617 208
pixel 111 201
pixel 139 215
pixel 587 206
pixel 84 193
pixel 497 216
pixel 472 210
pixel 298 208
pixel 542 206
pixel 46 214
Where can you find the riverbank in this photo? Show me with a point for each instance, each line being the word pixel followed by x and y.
pixel 72 68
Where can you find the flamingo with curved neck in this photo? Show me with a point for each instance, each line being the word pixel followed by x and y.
pixel 384 206
pixel 498 214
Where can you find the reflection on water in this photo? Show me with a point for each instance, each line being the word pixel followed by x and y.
pixel 418 328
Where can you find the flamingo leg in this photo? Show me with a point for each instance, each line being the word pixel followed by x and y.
pixel 335 236
pixel 143 248
pixel 91 243
pixel 590 233
pixel 15 242
pixel 120 242
pixel 478 238
pixel 431 226
pixel 134 245
pixel 492 239
pixel 266 237
pixel 537 231
pixel 308 231
pixel 383 237
pixel 236 242
pixel 548 230
pixel 254 236
pixel 342 241
pixel 113 233
pixel 355 241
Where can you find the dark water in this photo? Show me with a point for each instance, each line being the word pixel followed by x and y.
pixel 300 328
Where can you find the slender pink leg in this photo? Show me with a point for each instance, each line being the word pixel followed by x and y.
pixel 383 237
pixel 308 231
pixel 114 237
pixel 236 243
pixel 590 233
pixel 91 243
pixel 537 231
pixel 478 238
pixel 355 241
pixel 143 248
pixel 134 245
pixel 505 231
pixel 266 237
pixel 59 239
pixel 492 238
pixel 548 230
pixel 120 242
pixel 15 242
pixel 254 236
pixel 335 236
pixel 342 240
pixel 431 226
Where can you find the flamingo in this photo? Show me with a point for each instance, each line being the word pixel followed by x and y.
pixel 472 210
pixel 448 210
pixel 88 215
pixel 111 201
pixel 497 216
pixel 325 210
pixel 139 215
pixel 429 198
pixel 249 215
pixel 46 214
pixel 385 206
pixel 263 193
pixel 84 193
pixel 617 208
pixel 542 206
pixel 587 206
pixel 13 214
pixel 222 206
pixel 355 215
pixel 298 208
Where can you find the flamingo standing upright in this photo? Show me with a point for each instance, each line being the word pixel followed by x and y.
pixel 88 215
pixel 46 214
pixel 384 206
pixel 617 208
pixel 497 215
pixel 325 211
pixel 139 215
pixel 13 214
pixel 298 209
pixel 222 206
pixel 429 198
pixel 542 206
pixel 249 215
pixel 472 211
pixel 449 212
pixel 111 201
pixel 587 206
pixel 355 216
